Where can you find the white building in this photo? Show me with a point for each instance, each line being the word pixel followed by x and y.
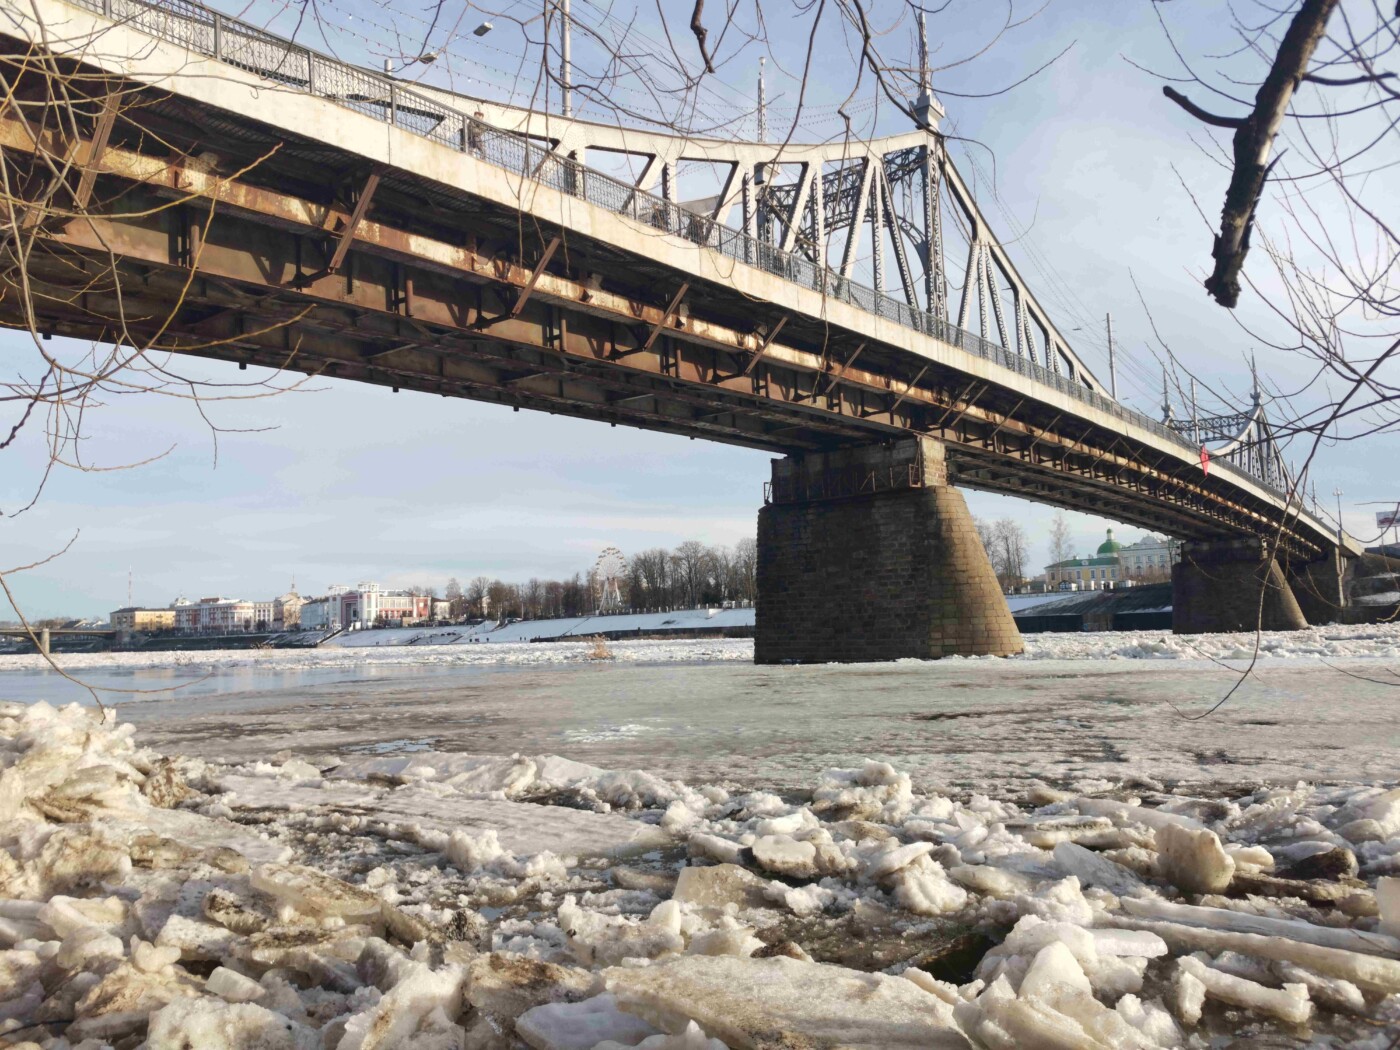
pixel 366 606
pixel 369 605
pixel 318 614
pixel 1151 556
pixel 215 616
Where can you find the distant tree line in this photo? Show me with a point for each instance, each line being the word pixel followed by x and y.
pixel 1005 542
pixel 694 574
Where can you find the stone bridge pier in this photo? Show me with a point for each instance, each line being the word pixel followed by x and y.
pixel 869 554
pixel 1232 585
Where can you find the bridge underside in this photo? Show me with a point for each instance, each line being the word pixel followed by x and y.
pixel 206 233
pixel 210 234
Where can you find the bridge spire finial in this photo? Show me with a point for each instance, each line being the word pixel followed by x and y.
pixel 762 101
pixel 1254 376
pixel 926 110
pixel 924 83
pixel 1166 398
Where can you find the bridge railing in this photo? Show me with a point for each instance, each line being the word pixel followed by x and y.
pixel 293 66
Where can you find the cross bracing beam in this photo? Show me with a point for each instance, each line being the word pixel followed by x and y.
pixel 575 348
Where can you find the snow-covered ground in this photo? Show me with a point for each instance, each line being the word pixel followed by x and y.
pixel 528 630
pixel 435 900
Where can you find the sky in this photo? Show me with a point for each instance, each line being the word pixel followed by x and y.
pixel 341 483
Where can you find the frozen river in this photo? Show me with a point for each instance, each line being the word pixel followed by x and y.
pixel 1320 706
pixel 726 832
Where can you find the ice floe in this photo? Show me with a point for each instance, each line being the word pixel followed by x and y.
pixel 446 902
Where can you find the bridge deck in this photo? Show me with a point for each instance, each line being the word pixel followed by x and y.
pixel 229 204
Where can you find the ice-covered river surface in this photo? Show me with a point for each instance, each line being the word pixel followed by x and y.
pixel 1323 706
pixel 1116 842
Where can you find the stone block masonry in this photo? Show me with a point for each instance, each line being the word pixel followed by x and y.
pixel 868 554
pixel 1219 587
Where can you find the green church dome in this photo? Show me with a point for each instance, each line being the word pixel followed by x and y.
pixel 1109 546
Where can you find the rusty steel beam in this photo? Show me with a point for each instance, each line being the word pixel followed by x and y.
pixel 451 282
pixel 767 342
pixel 352 224
pixel 666 316
pixel 524 296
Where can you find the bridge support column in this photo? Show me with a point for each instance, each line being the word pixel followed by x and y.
pixel 869 554
pixel 44 641
pixel 1321 588
pixel 1218 585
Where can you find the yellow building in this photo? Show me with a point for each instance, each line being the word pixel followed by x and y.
pixel 137 619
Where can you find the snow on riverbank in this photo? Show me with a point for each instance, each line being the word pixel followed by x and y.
pixel 1373 641
pixel 501 902
pixel 493 655
pixel 1381 641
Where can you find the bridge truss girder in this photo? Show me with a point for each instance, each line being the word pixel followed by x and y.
pixel 893 198
pixel 480 317
pixel 1247 441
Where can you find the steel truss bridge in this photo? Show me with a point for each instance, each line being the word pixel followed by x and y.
pixel 244 198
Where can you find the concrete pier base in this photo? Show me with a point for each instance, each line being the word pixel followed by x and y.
pixel 1218 587
pixel 1321 589
pixel 868 554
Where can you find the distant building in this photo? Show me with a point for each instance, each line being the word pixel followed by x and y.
pixel 369 606
pixel 318 614
pixel 286 611
pixel 366 606
pixel 1150 558
pixel 136 618
pixel 215 616
pixel 441 610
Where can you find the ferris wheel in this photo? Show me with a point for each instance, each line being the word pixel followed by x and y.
pixel 608 572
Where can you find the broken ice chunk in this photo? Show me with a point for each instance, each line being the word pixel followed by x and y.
pixel 581 1026
pixel 418 992
pixel 784 1002
pixel 314 893
pixel 891 861
pixel 1149 1018
pixel 63 915
pixel 1190 997
pixel 712 847
pixel 1388 901
pixel 212 1024
pixel 924 888
pixel 1094 870
pixel 469 852
pixel 691 1038
pixel 232 987
pixel 738 940
pixel 1332 992
pixel 1291 1003
pixel 720 885
pixel 596 939
pixel 82 948
pixel 505 985
pixel 786 856
pixel 148 958
pixel 1194 860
